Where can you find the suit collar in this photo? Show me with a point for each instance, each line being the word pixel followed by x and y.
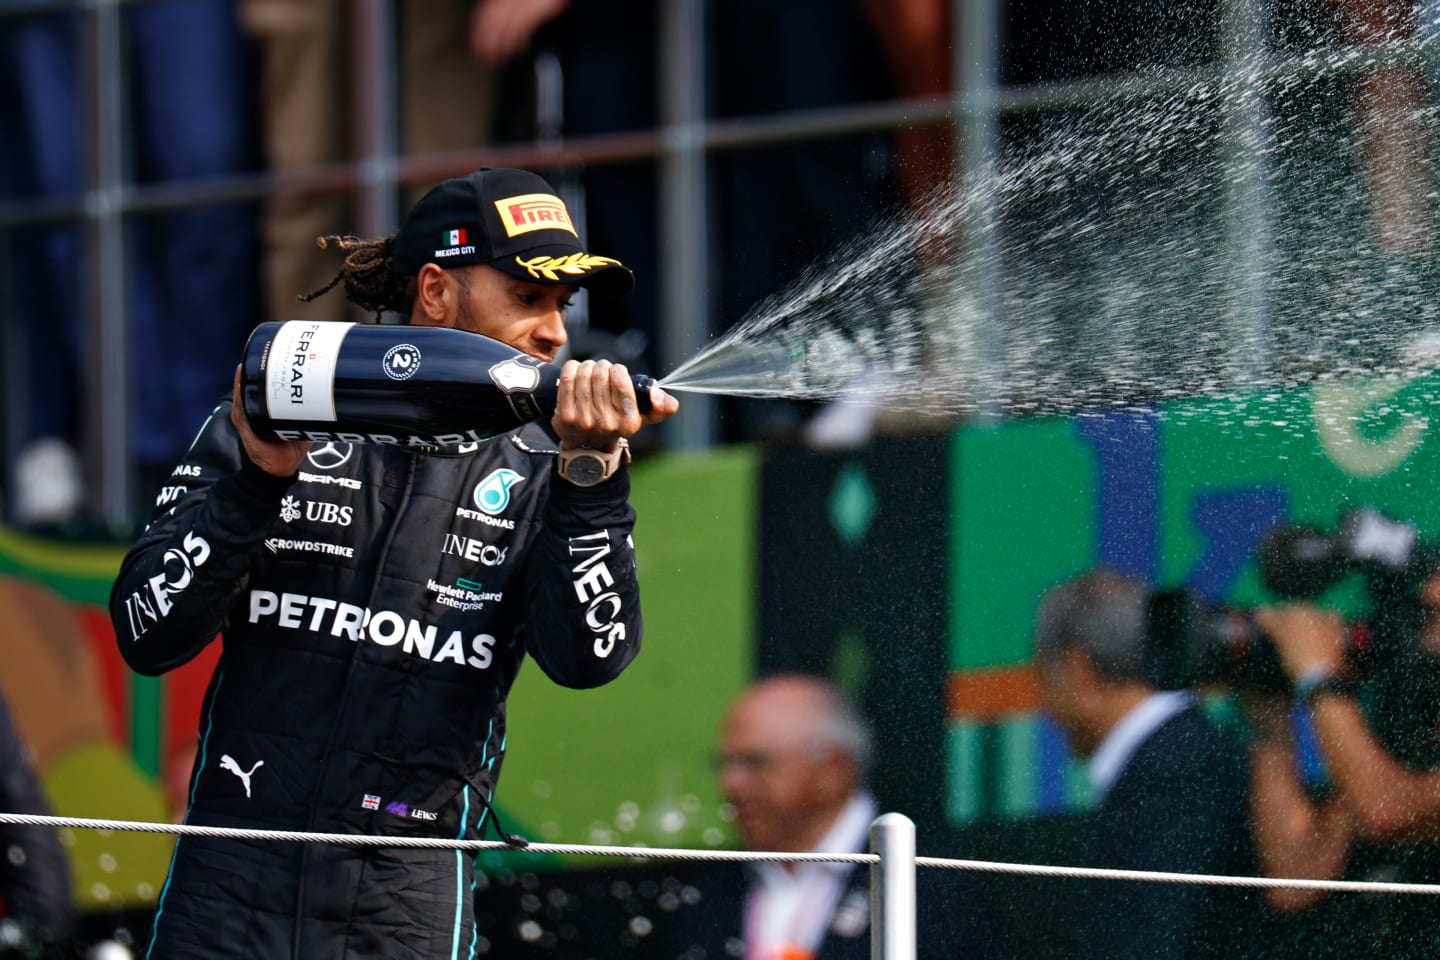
pixel 1126 736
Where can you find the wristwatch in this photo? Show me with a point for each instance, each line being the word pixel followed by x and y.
pixel 1311 688
pixel 586 467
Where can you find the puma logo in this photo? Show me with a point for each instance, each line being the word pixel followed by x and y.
pixel 227 762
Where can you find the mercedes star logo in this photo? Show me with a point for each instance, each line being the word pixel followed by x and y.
pixel 330 455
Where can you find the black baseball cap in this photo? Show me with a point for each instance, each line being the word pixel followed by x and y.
pixel 512 220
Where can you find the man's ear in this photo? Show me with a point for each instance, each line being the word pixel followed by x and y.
pixel 434 293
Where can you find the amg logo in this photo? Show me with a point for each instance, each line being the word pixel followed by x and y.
pixel 348 483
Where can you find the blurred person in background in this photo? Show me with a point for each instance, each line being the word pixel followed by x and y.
pixel 1170 785
pixel 307 111
pixel 37 916
pixel 190 273
pixel 1375 813
pixel 584 69
pixel 783 208
pixel 792 759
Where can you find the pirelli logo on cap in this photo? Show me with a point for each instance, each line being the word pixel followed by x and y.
pixel 534 211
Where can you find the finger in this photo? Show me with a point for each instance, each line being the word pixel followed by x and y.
pixel 237 407
pixel 565 400
pixel 662 405
pixel 585 395
pixel 622 394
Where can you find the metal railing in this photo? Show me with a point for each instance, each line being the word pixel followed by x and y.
pixel 891 859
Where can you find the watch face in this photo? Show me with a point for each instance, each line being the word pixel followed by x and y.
pixel 585 471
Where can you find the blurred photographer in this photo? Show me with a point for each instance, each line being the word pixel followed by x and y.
pixel 1170 784
pixel 1374 704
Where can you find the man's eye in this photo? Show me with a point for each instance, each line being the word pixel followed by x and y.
pixel 564 304
pixel 529 299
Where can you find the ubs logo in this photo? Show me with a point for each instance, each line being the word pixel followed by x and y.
pixel 401 361
pixel 329 456
pixel 316 511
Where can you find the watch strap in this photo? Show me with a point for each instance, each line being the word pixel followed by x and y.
pixel 1312 686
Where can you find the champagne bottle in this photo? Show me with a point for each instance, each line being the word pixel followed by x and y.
pixel 411 386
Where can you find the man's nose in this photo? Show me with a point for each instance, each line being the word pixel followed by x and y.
pixel 552 329
pixel 733 780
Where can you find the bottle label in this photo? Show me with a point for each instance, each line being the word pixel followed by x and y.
pixel 517 374
pixel 300 375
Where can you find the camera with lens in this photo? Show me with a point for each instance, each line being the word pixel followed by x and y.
pixel 1190 641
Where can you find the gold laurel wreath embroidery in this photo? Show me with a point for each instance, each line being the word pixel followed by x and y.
pixel 574 264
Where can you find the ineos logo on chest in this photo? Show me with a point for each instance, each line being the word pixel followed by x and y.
pixel 474 550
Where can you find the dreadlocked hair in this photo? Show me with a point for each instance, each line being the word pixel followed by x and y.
pixel 368 274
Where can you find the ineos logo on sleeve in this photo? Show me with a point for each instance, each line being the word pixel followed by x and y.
pixel 155 598
pixel 401 361
pixel 492 495
pixel 330 455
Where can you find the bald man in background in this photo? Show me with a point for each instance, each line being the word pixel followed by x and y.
pixel 792 759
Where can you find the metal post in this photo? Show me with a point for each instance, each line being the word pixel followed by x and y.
pixel 892 888
pixel 685 290
pixel 375 81
pixel 1246 215
pixel 106 310
pixel 975 39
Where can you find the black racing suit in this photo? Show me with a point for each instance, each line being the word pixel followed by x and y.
pixel 375 611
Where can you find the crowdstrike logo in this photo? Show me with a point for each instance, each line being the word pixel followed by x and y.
pixel 492 495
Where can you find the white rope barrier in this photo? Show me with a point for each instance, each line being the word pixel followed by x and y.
pixel 1160 876
pixel 370 840
pixel 681 853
